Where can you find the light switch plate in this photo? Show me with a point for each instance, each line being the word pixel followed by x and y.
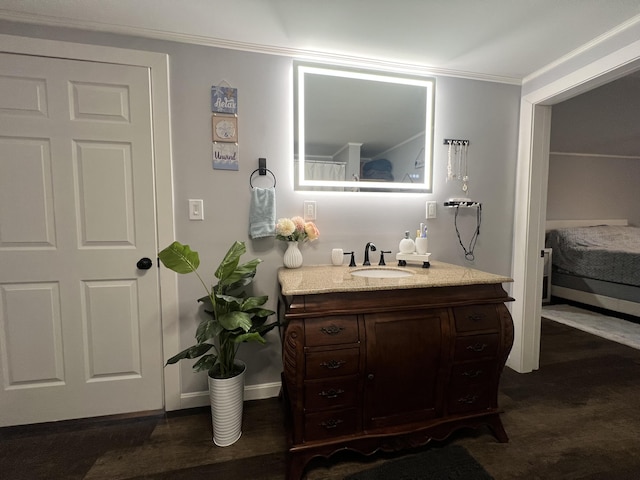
pixel 196 209
pixel 310 212
pixel 431 210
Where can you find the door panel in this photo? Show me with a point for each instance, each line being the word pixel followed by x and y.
pixel 105 194
pixel 25 180
pixel 79 323
pixel 404 351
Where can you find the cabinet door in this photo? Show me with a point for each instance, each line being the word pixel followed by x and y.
pixel 404 371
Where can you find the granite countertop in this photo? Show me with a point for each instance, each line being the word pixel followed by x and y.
pixel 328 278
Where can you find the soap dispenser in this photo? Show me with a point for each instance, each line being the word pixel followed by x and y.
pixel 407 245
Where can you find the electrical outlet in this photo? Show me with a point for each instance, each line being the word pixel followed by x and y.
pixel 196 209
pixel 310 210
pixel 431 209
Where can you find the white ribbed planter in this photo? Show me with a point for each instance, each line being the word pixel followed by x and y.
pixel 227 400
pixel 292 256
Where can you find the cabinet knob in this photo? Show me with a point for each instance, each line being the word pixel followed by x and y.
pixel 477 347
pixel 331 330
pixel 331 393
pixel 371 376
pixel 331 423
pixel 468 399
pixel 333 364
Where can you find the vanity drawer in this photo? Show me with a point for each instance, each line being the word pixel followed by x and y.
pixel 476 317
pixel 476 346
pixel 470 398
pixel 332 363
pixel 472 373
pixel 331 393
pixel 336 330
pixel 336 423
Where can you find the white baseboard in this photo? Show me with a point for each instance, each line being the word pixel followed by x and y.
pixel 251 392
pixel 613 304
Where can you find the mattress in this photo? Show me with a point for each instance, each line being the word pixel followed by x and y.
pixel 607 253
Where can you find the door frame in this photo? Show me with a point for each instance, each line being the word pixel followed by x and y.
pixel 158 65
pixel 531 192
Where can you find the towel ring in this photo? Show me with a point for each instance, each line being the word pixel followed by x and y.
pixel 261 170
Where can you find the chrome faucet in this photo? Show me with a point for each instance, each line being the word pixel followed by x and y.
pixel 368 246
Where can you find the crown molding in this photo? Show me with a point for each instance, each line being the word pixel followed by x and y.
pixel 605 37
pixel 309 55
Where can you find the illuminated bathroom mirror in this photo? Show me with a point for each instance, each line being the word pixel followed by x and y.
pixel 357 130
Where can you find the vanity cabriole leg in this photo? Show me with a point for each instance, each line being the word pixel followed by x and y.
pixel 295 466
pixel 496 427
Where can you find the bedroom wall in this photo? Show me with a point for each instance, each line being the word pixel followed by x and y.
pixel 582 187
pixel 347 221
pixel 594 166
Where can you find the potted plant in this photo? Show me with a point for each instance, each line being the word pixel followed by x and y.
pixel 233 317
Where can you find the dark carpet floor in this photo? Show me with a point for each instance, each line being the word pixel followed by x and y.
pixel 578 417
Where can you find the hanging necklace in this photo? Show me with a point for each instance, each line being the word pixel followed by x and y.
pixel 449 162
pixel 465 178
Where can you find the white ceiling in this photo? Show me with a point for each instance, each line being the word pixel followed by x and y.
pixel 503 40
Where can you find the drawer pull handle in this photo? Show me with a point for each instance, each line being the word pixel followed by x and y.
pixel 468 399
pixel 477 347
pixel 472 373
pixel 333 364
pixel 331 423
pixel 331 393
pixel 476 317
pixel 331 330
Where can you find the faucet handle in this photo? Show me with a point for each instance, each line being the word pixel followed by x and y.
pixel 353 259
pixel 382 252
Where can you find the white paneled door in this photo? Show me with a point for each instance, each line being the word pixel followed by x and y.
pixel 80 332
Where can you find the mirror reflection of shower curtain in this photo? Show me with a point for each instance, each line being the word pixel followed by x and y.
pixel 325 171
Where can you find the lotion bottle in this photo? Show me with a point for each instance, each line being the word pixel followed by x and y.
pixel 406 244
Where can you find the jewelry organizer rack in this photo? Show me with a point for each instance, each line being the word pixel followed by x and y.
pixel 461 202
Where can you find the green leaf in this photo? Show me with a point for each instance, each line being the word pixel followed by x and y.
pixel 234 320
pixel 207 329
pixel 232 303
pixel 230 261
pixel 257 322
pixel 205 363
pixel 249 337
pixel 241 275
pixel 179 258
pixel 261 313
pixel 264 329
pixel 253 302
pixel 207 302
pixel 192 352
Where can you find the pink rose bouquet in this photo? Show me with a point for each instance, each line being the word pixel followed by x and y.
pixel 295 229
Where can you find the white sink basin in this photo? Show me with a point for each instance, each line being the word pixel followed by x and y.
pixel 381 273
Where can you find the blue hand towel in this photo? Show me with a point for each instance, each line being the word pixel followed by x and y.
pixel 262 215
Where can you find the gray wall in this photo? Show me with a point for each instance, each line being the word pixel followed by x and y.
pixel 582 187
pixel 483 112
pixel 594 167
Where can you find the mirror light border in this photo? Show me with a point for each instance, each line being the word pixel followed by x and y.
pixel 300 70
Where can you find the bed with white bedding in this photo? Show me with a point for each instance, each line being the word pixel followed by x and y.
pixel 596 263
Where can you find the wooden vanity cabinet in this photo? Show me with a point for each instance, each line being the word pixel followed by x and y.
pixel 386 370
pixel 404 372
